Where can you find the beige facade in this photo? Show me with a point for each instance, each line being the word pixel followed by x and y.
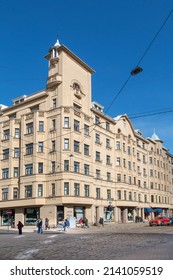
pixel 62 156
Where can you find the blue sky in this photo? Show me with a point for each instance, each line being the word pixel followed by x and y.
pixel 110 36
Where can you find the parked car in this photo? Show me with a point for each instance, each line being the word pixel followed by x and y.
pixel 160 221
pixel 171 221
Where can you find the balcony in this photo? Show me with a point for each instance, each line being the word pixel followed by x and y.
pixel 54 80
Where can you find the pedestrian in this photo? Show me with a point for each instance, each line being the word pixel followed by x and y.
pixel 85 222
pixel 66 224
pixel 39 226
pixel 101 221
pixel 47 224
pixel 20 226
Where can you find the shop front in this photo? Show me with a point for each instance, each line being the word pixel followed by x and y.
pixel 7 217
pixel 79 212
pixel 31 216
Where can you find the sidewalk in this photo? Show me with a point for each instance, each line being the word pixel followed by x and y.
pixel 107 226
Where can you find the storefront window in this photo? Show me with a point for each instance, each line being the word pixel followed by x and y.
pixel 79 212
pixel 7 220
pixel 31 215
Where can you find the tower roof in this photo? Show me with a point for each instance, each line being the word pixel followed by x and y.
pixel 155 137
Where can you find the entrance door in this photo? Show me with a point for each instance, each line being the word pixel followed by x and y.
pixel 60 213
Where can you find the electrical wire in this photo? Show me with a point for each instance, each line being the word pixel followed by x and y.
pixel 142 57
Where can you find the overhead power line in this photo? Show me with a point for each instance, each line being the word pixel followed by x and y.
pixel 133 72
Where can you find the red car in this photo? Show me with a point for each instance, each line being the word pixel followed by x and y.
pixel 159 221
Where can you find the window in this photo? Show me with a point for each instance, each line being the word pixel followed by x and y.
pixel 97 138
pixel 15 193
pixel 5 173
pixel 76 166
pixel 151 173
pixel 118 177
pixel 66 122
pixel 53 146
pixel 54 103
pixel 125 195
pixel 40 147
pixel 108 160
pixel 28 191
pixel 76 189
pixel 86 130
pixel 97 120
pixel 53 124
pixel 139 197
pixel 118 195
pixel 40 167
pixel 117 145
pixel 145 198
pixel 28 169
pixel 66 144
pixel 107 143
pixel 29 128
pixel 53 189
pixel 17 133
pixel 86 150
pixel 151 185
pixel 152 198
pixel 97 173
pixel 16 152
pixel 40 190
pixel 41 126
pixel 118 161
pixel 76 146
pixel 130 196
pixel 108 194
pixel 86 190
pixel 86 169
pixel 66 188
pixel 53 167
pixel 6 134
pixel 108 176
pixel 128 150
pixel 76 125
pixel 129 180
pixel 66 165
pixel 124 178
pixel 129 165
pixel 6 154
pixel 29 149
pixel 97 156
pixel 107 126
pixel 16 172
pixel 5 194
pixel 97 192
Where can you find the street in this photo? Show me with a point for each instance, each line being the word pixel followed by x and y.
pixel 112 242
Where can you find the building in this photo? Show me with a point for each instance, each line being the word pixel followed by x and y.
pixel 62 156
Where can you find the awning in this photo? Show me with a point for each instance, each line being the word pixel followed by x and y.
pixel 158 210
pixel 148 210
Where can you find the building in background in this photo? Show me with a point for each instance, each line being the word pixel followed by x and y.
pixel 62 156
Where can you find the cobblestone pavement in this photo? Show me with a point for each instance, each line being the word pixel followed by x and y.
pixel 112 242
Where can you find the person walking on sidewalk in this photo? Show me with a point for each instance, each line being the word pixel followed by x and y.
pixel 47 223
pixel 101 221
pixel 20 226
pixel 39 226
pixel 66 224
